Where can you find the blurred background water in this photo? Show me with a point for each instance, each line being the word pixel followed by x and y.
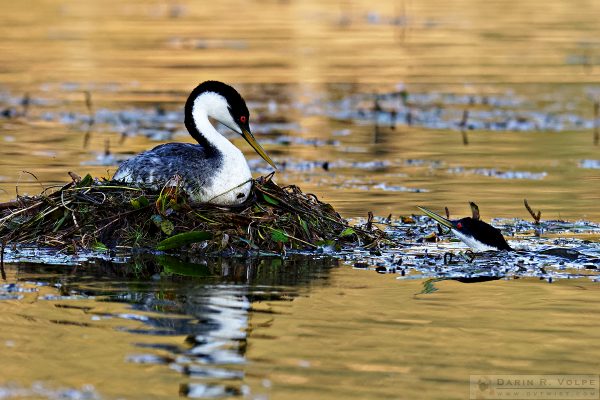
pixel 525 72
pixel 366 104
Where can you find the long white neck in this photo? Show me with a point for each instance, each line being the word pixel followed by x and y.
pixel 214 105
pixel 233 177
pixel 212 136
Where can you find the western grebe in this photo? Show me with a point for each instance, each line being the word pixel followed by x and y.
pixel 472 231
pixel 212 171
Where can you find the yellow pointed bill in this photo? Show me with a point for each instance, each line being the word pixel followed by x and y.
pixel 257 147
pixel 443 221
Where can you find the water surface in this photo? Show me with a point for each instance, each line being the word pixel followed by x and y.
pixel 291 330
pixel 359 102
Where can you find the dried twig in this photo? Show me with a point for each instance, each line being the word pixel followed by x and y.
pixel 463 126
pixel 26 102
pixel 369 224
pixel 536 217
pixel 76 178
pixel 34 177
pixel 596 122
pixel 90 109
pixel 475 210
pixel 2 247
pixel 89 106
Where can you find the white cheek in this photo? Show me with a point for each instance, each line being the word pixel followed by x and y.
pixel 215 106
pixel 226 119
pixel 472 243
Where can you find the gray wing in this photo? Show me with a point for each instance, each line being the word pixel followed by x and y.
pixel 155 167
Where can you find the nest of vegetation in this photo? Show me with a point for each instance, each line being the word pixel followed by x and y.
pixel 103 215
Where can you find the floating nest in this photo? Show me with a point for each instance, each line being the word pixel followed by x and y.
pixel 103 215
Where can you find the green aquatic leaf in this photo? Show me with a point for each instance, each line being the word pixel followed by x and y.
pixel 304 226
pixel 140 202
pixel 135 203
pixel 174 265
pixel 167 227
pixel 275 262
pixel 270 200
pixel 86 181
pixel 61 221
pixel 183 239
pixel 164 224
pixel 279 236
pixel 347 232
pixel 429 287
pixel 99 246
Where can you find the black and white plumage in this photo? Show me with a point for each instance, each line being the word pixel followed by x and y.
pixel 212 171
pixel 472 231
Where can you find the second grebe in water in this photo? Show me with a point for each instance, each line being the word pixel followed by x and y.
pixel 212 171
pixel 478 235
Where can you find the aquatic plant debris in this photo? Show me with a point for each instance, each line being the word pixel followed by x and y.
pixel 103 215
pixel 414 250
pixel 546 250
pixel 456 111
pixel 470 108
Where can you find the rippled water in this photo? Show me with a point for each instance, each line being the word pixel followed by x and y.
pixel 366 104
pixel 296 329
pixel 123 331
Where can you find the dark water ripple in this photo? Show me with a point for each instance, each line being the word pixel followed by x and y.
pixel 446 111
pixel 209 314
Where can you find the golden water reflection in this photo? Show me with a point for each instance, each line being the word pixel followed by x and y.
pixel 350 334
pixel 388 341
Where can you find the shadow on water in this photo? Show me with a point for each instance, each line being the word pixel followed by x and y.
pixel 191 317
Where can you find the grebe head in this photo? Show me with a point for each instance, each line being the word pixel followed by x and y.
pixel 222 102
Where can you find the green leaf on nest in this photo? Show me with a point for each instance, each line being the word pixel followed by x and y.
pixel 279 236
pixel 183 239
pixel 164 224
pixel 99 246
pixel 140 202
pixel 167 227
pixel 86 181
pixel 304 226
pixel 61 221
pixel 270 200
pixel 347 232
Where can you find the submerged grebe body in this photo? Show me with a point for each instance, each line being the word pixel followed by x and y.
pixel 212 171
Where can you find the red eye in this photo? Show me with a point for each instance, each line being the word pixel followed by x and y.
pixel 459 225
pixel 243 119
